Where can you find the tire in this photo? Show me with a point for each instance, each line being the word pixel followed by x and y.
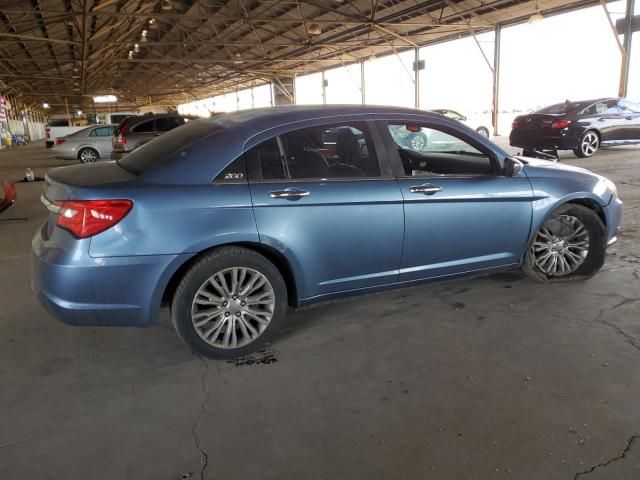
pixel 417 141
pixel 562 226
pixel 233 320
pixel 484 131
pixel 588 145
pixel 88 155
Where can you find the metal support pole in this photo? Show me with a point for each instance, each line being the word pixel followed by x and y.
pixel 324 88
pixel 496 80
pixel 626 54
pixel 364 99
pixel 416 83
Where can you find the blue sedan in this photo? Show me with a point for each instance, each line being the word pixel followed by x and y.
pixel 233 219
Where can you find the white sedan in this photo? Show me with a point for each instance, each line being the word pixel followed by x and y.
pixel 482 127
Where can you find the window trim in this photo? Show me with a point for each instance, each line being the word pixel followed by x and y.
pixel 379 148
pixel 396 161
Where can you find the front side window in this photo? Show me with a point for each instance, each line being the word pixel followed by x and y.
pixel 336 151
pixel 427 151
pixel 629 107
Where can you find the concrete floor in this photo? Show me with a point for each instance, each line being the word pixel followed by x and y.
pixel 490 378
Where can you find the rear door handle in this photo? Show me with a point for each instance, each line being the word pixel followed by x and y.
pixel 289 193
pixel 427 189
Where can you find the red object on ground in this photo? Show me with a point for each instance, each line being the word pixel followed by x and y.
pixel 9 195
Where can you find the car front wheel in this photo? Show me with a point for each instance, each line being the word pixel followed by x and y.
pixel 229 303
pixel 589 144
pixel 570 245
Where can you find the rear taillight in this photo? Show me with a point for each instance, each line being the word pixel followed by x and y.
pixel 560 124
pixel 48 132
pixel 85 218
pixel 60 141
pixel 514 124
pixel 121 138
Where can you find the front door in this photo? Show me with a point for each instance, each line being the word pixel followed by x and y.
pixel 321 198
pixel 461 213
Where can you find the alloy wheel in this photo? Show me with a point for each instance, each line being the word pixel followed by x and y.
pixel 417 142
pixel 561 247
pixel 233 307
pixel 590 144
pixel 88 156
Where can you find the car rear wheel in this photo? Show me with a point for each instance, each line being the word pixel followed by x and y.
pixel 589 144
pixel 231 302
pixel 88 155
pixel 570 245
pixel 483 131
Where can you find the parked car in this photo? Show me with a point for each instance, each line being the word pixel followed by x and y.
pixel 582 126
pixel 132 132
pixel 480 126
pixel 88 145
pixel 233 219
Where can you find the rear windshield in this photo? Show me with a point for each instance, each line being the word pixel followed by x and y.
pixel 58 122
pixel 122 122
pixel 119 118
pixel 159 149
pixel 560 108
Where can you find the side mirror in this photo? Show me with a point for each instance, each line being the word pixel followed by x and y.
pixel 512 167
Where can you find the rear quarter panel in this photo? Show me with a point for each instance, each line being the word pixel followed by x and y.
pixel 177 219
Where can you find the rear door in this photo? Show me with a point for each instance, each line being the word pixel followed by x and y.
pixel 325 197
pixel 101 139
pixel 461 213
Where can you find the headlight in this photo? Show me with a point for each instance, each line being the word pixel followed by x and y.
pixel 611 186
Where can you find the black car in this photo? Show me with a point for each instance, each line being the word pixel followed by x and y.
pixel 579 126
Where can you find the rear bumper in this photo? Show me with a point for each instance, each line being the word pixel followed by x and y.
pixel 113 291
pixel 544 140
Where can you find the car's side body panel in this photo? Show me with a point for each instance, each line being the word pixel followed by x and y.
pixel 347 236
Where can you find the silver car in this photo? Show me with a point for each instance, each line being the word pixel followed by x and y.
pixel 87 145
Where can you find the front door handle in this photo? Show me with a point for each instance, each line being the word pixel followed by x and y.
pixel 427 189
pixel 289 193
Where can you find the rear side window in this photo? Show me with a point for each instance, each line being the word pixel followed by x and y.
pixel 144 127
pixel 334 151
pixel 267 161
pixel 165 124
pixel 102 132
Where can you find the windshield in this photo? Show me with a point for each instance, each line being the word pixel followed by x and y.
pixel 159 149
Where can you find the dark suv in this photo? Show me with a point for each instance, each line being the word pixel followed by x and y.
pixel 136 131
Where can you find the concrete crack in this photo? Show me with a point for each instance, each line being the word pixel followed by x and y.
pixel 632 439
pixel 203 409
pixel 629 338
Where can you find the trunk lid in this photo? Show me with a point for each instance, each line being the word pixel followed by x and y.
pixel 537 120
